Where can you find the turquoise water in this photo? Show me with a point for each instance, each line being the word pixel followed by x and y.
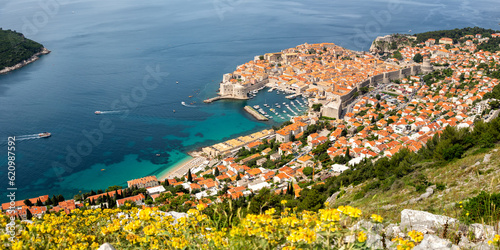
pixel 103 50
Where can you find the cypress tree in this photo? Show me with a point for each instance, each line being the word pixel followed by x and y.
pixel 189 176
pixel 29 215
pixel 55 202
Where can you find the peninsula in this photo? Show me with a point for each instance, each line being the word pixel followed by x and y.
pixel 16 51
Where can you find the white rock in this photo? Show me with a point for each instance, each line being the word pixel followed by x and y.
pixel 482 232
pixel 423 221
pixel 432 242
pixel 367 226
pixel 106 246
pixel 486 158
pixel 176 215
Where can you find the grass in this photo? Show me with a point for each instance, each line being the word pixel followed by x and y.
pixel 461 178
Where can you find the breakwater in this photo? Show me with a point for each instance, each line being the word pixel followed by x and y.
pixel 255 114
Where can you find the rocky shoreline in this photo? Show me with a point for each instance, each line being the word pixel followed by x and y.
pixel 35 57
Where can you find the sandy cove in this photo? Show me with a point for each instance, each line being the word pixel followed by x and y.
pixel 182 168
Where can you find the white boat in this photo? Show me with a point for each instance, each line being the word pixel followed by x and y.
pixel 256 106
pixel 44 135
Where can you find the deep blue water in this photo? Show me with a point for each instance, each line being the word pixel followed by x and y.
pixel 102 52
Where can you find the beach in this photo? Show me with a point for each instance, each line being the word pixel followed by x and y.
pixel 181 168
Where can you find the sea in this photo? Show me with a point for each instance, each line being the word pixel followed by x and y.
pixel 137 61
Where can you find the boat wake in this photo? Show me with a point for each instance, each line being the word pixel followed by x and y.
pixel 109 112
pixel 187 105
pixel 27 137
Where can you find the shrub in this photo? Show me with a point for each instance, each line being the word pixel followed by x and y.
pixel 483 207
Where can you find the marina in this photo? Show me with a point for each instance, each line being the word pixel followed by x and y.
pixel 278 108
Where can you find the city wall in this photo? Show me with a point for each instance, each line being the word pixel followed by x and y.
pixel 380 78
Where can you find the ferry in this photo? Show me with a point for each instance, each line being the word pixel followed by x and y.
pixel 98 112
pixel 44 135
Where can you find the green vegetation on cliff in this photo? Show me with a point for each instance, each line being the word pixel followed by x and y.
pixel 454 34
pixel 15 48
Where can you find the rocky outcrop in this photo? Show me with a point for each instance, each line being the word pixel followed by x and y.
pixel 428 192
pixel 25 62
pixel 423 221
pixel 381 44
pixel 432 242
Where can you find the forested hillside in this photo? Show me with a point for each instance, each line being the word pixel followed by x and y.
pixel 15 48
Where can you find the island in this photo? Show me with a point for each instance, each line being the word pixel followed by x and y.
pixel 17 51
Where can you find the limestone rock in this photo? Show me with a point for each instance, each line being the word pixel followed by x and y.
pixel 176 215
pixel 432 242
pixel 486 158
pixel 374 241
pixel 367 226
pixel 106 246
pixel 423 221
pixel 482 232
pixel 393 231
pixel 483 245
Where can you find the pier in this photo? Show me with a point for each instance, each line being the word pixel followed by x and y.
pixel 255 114
pixel 213 99
pixel 290 97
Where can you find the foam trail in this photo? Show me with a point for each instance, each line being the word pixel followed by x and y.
pixel 109 112
pixel 187 105
pixel 27 137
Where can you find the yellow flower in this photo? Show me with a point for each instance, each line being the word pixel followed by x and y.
pixel 361 236
pixel 416 236
pixel 270 211
pixel 283 202
pixel 200 207
pixel 377 218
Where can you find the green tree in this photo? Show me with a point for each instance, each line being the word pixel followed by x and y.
pixel 317 107
pixel 113 188
pixel 28 203
pixel 418 58
pixel 397 55
pixel 29 215
pixel 311 200
pixel 189 176
pixel 307 171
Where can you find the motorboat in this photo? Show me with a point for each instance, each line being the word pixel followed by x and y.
pixel 44 135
